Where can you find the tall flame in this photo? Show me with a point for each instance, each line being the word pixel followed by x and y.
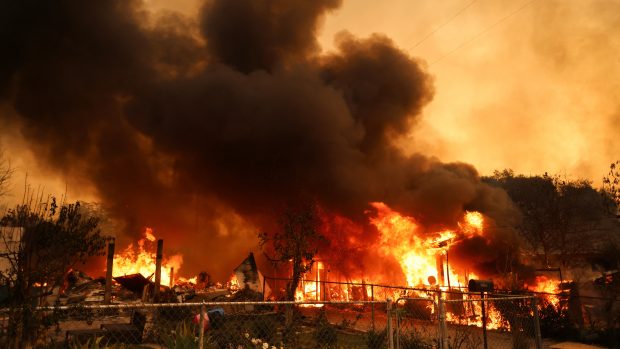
pixel 420 254
pixel 142 260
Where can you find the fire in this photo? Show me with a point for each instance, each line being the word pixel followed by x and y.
pixel 472 225
pixel 399 239
pixel 547 285
pixel 311 290
pixel 421 254
pixel 193 280
pixel 424 255
pixel 494 318
pixel 233 283
pixel 544 285
pixel 148 234
pixel 142 260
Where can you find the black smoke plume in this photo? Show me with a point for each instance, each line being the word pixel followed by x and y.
pixel 194 126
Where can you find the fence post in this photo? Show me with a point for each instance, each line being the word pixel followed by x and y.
pixel 202 326
pixel 536 323
pixel 397 328
pixel 107 295
pixel 390 333
pixel 372 305
pixel 443 335
pixel 484 321
pixel 158 259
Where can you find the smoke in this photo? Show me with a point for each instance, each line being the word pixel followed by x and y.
pixel 205 134
pixel 533 93
pixel 262 35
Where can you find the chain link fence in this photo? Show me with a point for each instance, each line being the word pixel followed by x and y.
pixel 417 323
pixel 459 320
pixel 441 320
pixel 221 325
pixel 473 321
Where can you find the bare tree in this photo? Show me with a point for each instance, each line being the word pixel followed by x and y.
pixel 296 243
pixel 5 174
pixel 611 185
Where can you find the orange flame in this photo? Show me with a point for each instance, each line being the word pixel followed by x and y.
pixel 422 255
pixel 311 289
pixel 548 285
pixel 193 280
pixel 142 260
pixel 417 252
pixel 494 318
pixel 423 258
pixel 148 234
pixel 473 224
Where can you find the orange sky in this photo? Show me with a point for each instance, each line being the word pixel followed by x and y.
pixel 527 85
pixel 531 88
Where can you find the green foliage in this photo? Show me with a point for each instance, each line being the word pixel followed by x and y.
pixel 557 213
pixel 265 328
pixel 325 335
pixel 346 323
pixel 376 339
pixel 556 323
pixel 186 337
pixel 520 340
pixel 464 337
pixel 51 240
pixel 97 343
pixel 94 343
pixel 414 340
pixel 611 186
pixel 54 239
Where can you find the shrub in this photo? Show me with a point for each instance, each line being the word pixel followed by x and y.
pixel 264 327
pixel 184 337
pixel 325 334
pixel 376 339
pixel 414 340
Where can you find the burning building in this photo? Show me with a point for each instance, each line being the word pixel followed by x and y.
pixel 204 128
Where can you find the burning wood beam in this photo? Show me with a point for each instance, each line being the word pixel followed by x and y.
pixel 108 276
pixel 158 258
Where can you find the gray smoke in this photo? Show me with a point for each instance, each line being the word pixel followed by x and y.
pixel 174 129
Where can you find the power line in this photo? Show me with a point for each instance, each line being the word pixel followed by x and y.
pixel 442 24
pixel 487 29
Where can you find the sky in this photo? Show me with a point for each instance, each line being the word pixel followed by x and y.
pixel 527 85
pixel 530 85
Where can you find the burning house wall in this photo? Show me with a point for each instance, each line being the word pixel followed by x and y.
pixel 203 128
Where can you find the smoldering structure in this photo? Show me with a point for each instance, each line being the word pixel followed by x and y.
pixel 179 122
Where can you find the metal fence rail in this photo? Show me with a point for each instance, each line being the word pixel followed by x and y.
pixel 207 325
pixel 443 320
pixel 417 323
pixel 461 320
pixel 493 322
